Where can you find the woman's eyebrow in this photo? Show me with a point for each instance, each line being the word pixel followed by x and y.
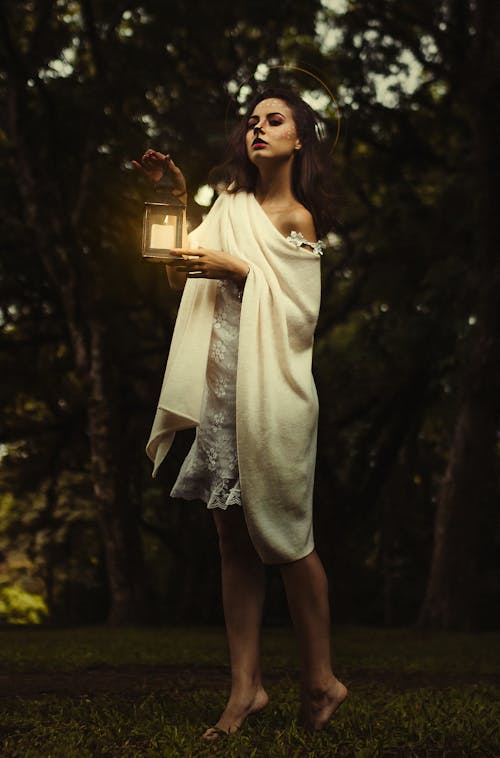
pixel 268 115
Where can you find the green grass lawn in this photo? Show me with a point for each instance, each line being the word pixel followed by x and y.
pixel 151 692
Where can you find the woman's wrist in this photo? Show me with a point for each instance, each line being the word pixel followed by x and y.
pixel 241 273
pixel 165 183
pixel 180 195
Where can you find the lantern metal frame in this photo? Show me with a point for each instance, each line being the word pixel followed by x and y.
pixel 155 211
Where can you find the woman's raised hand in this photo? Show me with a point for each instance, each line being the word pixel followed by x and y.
pixel 154 164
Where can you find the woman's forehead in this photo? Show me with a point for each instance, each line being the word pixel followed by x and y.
pixel 272 105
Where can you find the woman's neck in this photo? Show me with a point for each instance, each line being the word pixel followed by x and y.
pixel 274 183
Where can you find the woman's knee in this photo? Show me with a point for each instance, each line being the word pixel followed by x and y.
pixel 232 532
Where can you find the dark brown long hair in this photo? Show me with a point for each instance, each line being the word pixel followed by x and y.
pixel 312 174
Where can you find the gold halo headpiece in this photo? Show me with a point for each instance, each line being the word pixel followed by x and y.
pixel 301 69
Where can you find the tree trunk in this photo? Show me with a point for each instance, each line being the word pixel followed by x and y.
pixel 467 486
pixel 469 483
pixel 129 591
pixel 85 319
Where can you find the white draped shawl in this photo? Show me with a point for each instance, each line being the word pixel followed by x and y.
pixel 276 400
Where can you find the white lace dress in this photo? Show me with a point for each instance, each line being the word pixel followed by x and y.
pixel 210 469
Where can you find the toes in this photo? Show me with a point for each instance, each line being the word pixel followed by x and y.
pixel 214 733
pixel 235 715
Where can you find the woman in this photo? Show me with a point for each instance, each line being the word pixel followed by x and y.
pixel 239 369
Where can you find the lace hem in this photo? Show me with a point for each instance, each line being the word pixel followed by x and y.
pixel 221 495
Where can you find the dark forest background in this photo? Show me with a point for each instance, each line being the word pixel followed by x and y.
pixel 407 357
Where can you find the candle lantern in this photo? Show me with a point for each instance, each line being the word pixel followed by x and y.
pixel 161 230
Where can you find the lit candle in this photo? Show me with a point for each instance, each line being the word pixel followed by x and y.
pixel 163 235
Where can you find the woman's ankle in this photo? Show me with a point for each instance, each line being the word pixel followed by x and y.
pixel 245 679
pixel 319 682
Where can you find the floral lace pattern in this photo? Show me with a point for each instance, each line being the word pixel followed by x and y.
pixel 210 470
pixel 298 239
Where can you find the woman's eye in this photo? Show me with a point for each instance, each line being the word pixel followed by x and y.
pixel 275 122
pixel 251 124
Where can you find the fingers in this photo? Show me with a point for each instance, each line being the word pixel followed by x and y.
pixel 156 159
pixel 186 254
pixel 190 268
pixel 187 262
pixel 206 275
pixel 154 155
pixel 140 167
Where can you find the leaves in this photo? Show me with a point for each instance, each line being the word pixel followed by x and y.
pixel 88 86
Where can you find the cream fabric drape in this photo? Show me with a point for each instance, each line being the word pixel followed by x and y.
pixel 276 400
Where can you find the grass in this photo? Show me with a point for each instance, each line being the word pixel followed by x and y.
pixel 150 692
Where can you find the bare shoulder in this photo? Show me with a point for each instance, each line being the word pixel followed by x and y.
pixel 301 221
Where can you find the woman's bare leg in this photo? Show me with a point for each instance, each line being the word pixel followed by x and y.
pixel 243 591
pixel 306 588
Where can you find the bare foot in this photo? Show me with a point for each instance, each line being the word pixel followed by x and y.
pixel 235 713
pixel 320 703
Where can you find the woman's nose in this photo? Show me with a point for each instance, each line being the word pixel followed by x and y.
pixel 257 129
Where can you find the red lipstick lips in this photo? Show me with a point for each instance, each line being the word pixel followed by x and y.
pixel 259 142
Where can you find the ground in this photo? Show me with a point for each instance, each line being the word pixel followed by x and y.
pixel 136 680
pixel 151 692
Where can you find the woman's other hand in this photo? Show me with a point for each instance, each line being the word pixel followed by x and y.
pixel 154 164
pixel 210 264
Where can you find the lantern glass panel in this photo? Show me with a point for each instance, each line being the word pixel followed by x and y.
pixel 162 230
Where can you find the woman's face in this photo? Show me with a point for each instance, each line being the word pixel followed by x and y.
pixel 271 131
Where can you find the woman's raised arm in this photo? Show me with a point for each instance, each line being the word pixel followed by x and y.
pixel 154 165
